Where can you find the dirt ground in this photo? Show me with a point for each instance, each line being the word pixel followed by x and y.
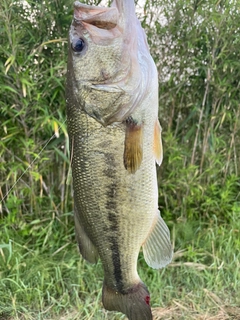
pixel 181 312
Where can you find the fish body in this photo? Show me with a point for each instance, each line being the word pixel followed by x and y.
pixel 115 141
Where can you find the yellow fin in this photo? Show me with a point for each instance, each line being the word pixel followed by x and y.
pixel 133 150
pixel 157 143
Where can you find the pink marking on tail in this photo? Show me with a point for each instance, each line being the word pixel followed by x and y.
pixel 147 300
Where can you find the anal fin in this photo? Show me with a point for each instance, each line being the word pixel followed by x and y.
pixel 133 149
pixel 86 247
pixel 157 143
pixel 157 248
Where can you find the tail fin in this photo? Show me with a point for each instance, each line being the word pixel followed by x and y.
pixel 134 303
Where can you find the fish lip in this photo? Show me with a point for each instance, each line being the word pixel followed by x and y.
pixel 86 14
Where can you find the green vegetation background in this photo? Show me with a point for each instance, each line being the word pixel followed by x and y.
pixel 197 51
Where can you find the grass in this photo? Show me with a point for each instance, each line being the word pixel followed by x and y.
pixel 42 275
pixel 47 279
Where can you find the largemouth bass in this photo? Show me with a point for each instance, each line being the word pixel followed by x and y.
pixel 115 142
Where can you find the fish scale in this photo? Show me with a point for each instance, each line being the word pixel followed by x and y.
pixel 115 141
pixel 98 201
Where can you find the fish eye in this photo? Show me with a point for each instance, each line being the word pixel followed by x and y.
pixel 78 45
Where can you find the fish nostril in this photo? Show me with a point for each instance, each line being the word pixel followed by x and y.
pixel 104 74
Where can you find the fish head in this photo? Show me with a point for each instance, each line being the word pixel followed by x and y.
pixel 103 62
pixel 95 43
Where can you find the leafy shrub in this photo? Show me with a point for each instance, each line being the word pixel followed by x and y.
pixel 196 48
pixel 195 45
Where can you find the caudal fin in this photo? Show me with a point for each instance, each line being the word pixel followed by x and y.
pixel 134 303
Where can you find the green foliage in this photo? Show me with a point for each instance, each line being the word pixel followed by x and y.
pixel 43 276
pixel 195 45
pixel 32 107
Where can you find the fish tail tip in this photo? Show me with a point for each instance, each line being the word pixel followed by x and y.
pixel 134 303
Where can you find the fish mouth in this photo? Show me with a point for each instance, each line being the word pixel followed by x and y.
pixel 101 17
pixel 120 14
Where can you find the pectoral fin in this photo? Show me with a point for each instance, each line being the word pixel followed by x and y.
pixel 157 143
pixel 157 249
pixel 133 150
pixel 86 247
